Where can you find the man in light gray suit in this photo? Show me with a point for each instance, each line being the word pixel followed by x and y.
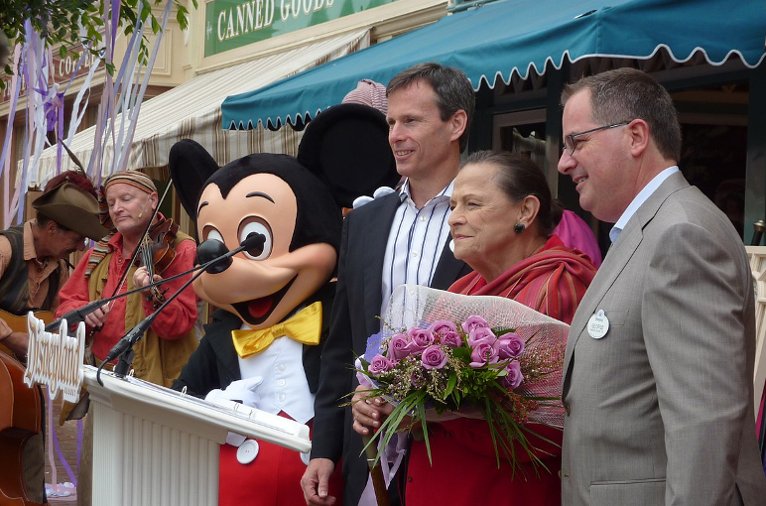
pixel 659 365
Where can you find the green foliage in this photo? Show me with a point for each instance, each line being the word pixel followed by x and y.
pixel 59 22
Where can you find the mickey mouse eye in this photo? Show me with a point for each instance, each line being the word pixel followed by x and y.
pixel 263 249
pixel 211 233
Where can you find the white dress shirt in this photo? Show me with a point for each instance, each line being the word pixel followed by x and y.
pixel 638 201
pixel 415 241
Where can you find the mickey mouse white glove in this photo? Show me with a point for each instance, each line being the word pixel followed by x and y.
pixel 366 199
pixel 244 390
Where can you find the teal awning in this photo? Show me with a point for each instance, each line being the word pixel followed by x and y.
pixel 501 38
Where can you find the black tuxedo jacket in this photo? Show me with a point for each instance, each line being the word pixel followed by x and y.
pixel 354 318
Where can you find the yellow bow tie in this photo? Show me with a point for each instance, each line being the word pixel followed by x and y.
pixel 305 327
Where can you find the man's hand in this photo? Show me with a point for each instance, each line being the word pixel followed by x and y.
pixel 17 342
pixel 97 318
pixel 141 277
pixel 368 412
pixel 315 482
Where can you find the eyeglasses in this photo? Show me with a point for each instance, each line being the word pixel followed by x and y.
pixel 570 141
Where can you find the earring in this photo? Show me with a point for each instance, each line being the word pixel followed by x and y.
pixel 519 228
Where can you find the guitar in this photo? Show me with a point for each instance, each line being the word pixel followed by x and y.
pixel 22 414
pixel 18 323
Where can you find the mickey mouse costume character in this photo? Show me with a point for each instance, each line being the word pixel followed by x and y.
pixel 264 343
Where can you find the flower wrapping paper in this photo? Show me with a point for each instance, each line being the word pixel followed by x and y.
pixel 416 306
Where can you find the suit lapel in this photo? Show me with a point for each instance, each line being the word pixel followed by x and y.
pixel 373 243
pixel 614 263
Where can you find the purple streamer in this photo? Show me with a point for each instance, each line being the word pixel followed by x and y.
pixel 80 434
pixel 115 24
pixel 60 454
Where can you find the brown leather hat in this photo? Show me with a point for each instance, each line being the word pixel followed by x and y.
pixel 73 208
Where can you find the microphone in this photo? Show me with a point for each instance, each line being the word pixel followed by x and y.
pixel 209 255
pixel 212 253
pixel 125 344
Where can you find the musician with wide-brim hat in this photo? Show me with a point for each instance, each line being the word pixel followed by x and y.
pixel 33 256
pixel 33 267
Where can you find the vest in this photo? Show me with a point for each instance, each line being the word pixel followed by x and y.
pixel 14 284
pixel 155 360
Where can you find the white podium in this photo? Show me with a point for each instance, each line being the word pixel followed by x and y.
pixel 155 446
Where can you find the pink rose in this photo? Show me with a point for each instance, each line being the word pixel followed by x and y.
pixel 474 322
pixel 433 357
pixel 441 327
pixel 482 354
pixel 361 377
pixel 481 335
pixel 445 333
pixel 420 339
pixel 451 339
pixel 398 347
pixel 514 378
pixel 380 364
pixel 509 346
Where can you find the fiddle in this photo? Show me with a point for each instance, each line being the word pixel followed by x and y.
pixel 157 252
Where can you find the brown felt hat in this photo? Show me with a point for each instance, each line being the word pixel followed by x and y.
pixel 73 208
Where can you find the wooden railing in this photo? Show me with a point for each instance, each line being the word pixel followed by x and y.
pixel 757 256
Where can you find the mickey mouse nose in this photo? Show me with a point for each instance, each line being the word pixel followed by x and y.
pixel 210 250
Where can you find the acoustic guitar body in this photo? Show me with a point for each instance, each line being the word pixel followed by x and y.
pixel 18 323
pixel 20 420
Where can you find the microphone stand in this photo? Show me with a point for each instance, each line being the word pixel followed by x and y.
pixel 78 315
pixel 124 347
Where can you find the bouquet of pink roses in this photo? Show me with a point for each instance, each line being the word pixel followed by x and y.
pixel 456 355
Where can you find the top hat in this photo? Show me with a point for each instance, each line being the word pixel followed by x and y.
pixel 72 208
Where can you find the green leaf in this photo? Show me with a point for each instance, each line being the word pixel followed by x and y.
pixel 500 331
pixel 451 383
pixel 463 353
pixel 421 414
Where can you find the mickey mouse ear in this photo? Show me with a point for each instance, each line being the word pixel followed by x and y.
pixel 346 146
pixel 190 166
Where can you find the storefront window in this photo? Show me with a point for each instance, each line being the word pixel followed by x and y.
pixel 714 152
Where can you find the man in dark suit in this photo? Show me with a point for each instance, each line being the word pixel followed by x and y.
pixel 396 239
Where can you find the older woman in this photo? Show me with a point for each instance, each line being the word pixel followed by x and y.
pixel 501 222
